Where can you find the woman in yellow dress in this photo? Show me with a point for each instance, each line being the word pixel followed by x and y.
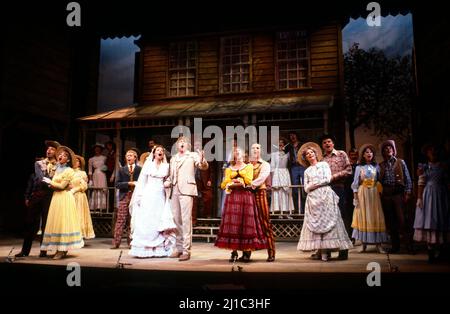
pixel 368 217
pixel 63 231
pixel 78 189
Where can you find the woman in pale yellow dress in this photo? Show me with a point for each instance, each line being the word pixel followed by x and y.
pixel 78 188
pixel 63 230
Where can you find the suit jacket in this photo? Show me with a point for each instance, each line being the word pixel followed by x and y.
pixel 203 176
pixel 123 178
pixel 182 172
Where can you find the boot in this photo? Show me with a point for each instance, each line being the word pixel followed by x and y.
pixel 380 249
pixel 270 255
pixel 363 248
pixel 233 257
pixel 21 254
pixel 60 255
pixel 343 255
pixel 245 256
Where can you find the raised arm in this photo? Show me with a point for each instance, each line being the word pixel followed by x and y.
pixel 200 161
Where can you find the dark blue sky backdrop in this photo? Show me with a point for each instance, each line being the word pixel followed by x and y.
pixel 116 75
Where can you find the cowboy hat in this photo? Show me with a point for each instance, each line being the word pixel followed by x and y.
pixel 50 143
pixel 388 143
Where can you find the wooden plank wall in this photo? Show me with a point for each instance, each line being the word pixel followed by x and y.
pixel 36 73
pixel 324 59
pixel 154 74
pixel 324 49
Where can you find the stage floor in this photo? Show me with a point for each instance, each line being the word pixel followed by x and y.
pixel 207 258
pixel 208 274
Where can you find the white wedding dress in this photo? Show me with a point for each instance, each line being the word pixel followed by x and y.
pixel 152 225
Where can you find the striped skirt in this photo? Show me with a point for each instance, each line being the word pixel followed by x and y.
pixel 240 228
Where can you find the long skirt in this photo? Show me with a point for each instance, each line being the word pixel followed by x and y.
pixel 240 228
pixel 368 217
pixel 87 229
pixel 63 230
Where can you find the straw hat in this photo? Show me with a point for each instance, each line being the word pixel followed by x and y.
pixel 306 146
pixel 82 161
pixel 72 155
pixel 50 143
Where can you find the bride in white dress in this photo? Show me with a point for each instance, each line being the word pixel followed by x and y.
pixel 152 225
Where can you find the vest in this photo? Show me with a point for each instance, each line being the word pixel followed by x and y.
pixel 256 172
pixel 398 172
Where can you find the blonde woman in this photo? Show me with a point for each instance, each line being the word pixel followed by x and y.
pixel 323 229
pixel 78 189
pixel 240 227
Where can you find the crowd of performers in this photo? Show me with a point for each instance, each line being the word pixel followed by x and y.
pixel 349 198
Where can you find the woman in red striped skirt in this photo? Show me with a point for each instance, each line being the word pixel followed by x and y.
pixel 240 228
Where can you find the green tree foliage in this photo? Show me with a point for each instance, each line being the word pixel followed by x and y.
pixel 378 92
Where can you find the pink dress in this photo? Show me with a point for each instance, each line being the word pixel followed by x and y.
pixel 97 169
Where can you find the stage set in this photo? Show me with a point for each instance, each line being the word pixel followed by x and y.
pixel 287 68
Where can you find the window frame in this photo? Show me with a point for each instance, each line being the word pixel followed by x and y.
pixel 250 65
pixel 277 61
pixel 186 69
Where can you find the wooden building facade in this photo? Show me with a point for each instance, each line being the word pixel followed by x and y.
pixel 290 77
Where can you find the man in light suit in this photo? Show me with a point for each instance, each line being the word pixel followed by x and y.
pixel 181 180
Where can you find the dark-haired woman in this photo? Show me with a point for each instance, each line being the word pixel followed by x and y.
pixel 368 217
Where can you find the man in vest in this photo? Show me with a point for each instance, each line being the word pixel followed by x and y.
pixel 261 171
pixel 397 186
